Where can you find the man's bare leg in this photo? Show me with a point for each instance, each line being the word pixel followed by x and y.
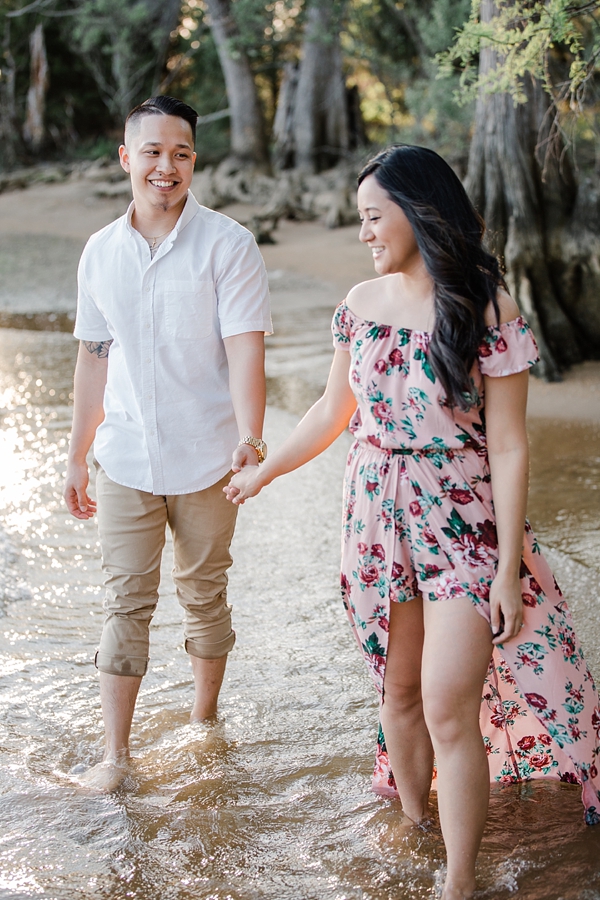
pixel 118 694
pixel 208 678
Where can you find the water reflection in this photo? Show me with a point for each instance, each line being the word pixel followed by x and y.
pixel 565 491
pixel 273 801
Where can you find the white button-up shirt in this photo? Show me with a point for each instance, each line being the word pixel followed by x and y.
pixel 169 425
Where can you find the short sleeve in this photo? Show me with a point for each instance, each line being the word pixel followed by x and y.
pixel 340 327
pixel 243 290
pixel 507 349
pixel 90 323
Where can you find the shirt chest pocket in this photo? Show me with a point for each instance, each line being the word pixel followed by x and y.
pixel 188 309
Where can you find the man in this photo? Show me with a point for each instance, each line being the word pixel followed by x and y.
pixel 170 387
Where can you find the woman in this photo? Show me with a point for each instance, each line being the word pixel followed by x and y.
pixel 431 369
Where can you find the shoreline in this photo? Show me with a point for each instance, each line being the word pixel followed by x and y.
pixel 311 268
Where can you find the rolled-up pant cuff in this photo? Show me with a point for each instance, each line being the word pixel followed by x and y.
pixel 121 665
pixel 212 650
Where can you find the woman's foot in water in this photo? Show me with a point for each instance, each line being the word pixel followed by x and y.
pixel 423 819
pixel 455 891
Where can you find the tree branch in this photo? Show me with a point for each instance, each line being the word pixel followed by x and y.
pixel 32 7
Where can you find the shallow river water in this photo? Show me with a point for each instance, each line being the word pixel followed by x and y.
pixel 273 801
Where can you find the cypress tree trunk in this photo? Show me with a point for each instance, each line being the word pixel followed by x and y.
pixel 536 220
pixel 283 124
pixel 33 129
pixel 321 133
pixel 248 143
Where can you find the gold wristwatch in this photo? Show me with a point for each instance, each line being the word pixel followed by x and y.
pixel 258 444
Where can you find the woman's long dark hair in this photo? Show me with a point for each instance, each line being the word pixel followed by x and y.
pixel 449 234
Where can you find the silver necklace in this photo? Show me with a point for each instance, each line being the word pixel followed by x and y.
pixel 154 239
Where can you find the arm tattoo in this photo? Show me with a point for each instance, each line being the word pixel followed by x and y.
pixel 99 348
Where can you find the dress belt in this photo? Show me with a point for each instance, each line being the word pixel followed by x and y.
pixel 418 451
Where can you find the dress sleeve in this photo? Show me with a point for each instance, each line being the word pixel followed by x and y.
pixel 507 349
pixel 341 327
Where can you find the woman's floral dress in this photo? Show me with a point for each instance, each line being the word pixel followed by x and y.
pixel 419 517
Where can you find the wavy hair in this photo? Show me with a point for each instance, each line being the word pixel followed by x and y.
pixel 449 234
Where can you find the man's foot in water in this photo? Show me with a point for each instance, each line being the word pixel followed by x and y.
pixel 107 776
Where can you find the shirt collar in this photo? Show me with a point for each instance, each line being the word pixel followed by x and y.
pixel 189 211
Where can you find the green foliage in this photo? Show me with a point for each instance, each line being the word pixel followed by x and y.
pixel 398 42
pixel 103 57
pixel 70 92
pixel 106 55
pixel 522 33
pixel 119 43
pixel 74 111
pixel 438 23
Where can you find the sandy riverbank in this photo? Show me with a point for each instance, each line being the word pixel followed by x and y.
pixel 43 229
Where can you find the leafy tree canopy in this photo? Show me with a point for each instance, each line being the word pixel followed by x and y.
pixel 525 34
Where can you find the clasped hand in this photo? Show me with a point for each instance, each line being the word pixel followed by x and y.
pixel 243 484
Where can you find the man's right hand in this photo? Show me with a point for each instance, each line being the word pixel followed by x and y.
pixel 75 493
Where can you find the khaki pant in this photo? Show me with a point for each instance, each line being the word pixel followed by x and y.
pixel 132 526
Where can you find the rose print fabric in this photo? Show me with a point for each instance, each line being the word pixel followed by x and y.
pixel 418 517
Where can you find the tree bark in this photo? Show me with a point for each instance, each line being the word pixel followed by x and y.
pixel 321 134
pixel 527 194
pixel 33 129
pixel 10 143
pixel 248 143
pixel 283 124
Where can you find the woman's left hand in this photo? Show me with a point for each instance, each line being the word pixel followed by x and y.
pixel 506 608
pixel 243 485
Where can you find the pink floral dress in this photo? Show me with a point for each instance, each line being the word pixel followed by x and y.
pixel 419 518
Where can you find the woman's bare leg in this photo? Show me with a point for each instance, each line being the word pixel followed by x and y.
pixel 406 736
pixel 456 655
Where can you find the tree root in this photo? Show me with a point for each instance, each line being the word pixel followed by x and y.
pixel 328 197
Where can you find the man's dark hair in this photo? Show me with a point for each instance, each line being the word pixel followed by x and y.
pixel 164 106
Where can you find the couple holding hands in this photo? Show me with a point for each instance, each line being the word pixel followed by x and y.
pixel 470 644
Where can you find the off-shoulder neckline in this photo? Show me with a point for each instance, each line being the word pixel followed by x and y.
pixel 416 330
